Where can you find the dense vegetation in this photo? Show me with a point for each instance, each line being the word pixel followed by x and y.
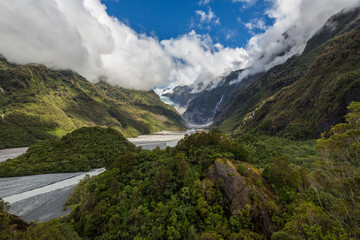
pixel 263 149
pixel 171 194
pixel 81 150
pixel 193 191
pixel 306 95
pixel 207 188
pixel 37 103
pixel 341 152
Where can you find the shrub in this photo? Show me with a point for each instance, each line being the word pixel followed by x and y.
pixel 243 170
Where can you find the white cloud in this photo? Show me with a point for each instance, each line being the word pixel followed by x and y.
pixel 247 3
pixel 294 23
pixel 230 34
pixel 201 59
pixel 208 17
pixel 256 24
pixel 81 36
pixel 204 2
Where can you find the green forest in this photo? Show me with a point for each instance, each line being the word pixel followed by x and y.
pixel 81 150
pixel 213 186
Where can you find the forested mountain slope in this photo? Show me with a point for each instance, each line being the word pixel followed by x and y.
pixel 307 94
pixel 38 103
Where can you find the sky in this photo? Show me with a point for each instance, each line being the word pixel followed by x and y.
pixel 228 22
pixel 143 44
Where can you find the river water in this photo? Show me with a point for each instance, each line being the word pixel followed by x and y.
pixel 41 197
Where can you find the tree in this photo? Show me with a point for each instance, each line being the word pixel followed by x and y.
pixel 343 142
pixel 282 173
pixel 4 206
pixel 341 151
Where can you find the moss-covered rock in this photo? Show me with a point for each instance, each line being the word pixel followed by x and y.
pixel 245 193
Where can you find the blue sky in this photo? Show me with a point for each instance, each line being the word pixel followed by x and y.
pixel 224 20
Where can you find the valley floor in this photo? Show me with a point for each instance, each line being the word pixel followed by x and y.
pixel 42 197
pixel 11 153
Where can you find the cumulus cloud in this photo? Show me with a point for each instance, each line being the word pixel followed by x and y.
pixel 231 34
pixel 199 60
pixel 295 22
pixel 209 17
pixel 80 35
pixel 256 24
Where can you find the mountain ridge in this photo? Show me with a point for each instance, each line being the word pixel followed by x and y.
pixel 39 103
pixel 228 106
pixel 275 82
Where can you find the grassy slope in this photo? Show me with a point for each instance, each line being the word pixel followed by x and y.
pixel 277 80
pixel 40 103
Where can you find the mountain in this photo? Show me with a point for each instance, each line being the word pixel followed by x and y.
pixel 38 103
pixel 181 96
pixel 274 101
pixel 204 108
pixel 201 107
pixel 306 95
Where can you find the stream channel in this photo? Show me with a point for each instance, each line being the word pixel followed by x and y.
pixel 41 197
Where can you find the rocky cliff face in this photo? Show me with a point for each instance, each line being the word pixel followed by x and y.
pixel 206 105
pixel 249 192
pixel 202 107
pixel 181 95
